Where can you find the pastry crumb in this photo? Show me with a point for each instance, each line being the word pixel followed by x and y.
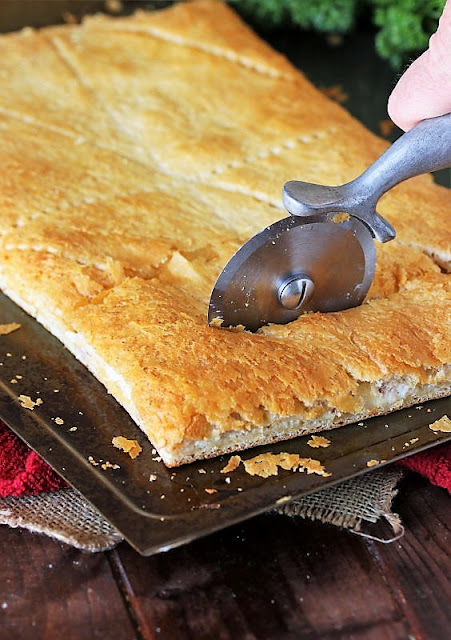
pixel 211 491
pixel 444 424
pixel 201 471
pixel 318 441
pixel 413 440
pixel 5 329
pixel 27 403
pixel 338 218
pixel 132 447
pixel 232 464
pixel 238 328
pixel 104 464
pixel 267 464
pixel 59 420
pixel 373 463
pixel 152 477
pixel 216 322
pixel 13 381
pixel 108 465
pixel 73 429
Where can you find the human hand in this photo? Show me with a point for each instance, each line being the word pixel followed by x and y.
pixel 424 91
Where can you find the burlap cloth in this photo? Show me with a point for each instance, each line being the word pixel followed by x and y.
pixel 67 516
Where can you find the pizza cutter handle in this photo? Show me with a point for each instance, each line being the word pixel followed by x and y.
pixel 426 147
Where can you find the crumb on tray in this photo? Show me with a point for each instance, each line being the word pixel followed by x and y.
pixel 132 447
pixel 267 464
pixel 27 403
pixel 108 465
pixel 104 464
pixel 444 424
pixel 318 441
pixel 232 464
pixel 5 329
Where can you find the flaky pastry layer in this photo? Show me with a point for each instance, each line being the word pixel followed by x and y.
pixel 137 155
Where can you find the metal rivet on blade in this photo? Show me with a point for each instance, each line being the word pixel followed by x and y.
pixel 296 291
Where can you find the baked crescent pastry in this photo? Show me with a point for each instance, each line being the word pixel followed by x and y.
pixel 137 154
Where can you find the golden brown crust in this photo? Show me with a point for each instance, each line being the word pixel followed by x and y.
pixel 127 184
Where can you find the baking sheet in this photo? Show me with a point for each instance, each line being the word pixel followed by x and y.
pixel 156 508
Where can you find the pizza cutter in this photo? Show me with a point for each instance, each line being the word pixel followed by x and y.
pixel 323 257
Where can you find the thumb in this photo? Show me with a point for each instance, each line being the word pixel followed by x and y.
pixel 424 91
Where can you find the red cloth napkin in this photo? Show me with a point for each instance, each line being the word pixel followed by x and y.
pixel 22 472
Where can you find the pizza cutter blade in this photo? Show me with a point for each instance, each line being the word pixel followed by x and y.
pixel 323 258
pixel 294 266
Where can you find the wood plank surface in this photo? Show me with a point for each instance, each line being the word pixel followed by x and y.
pixel 272 578
pixel 418 567
pixel 277 578
pixel 49 590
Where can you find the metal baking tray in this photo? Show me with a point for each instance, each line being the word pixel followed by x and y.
pixel 156 508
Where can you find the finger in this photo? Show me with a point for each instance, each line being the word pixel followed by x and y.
pixel 424 91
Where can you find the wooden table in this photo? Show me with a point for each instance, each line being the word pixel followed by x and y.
pixel 272 578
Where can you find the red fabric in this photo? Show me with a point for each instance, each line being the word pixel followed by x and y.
pixel 434 464
pixel 22 472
